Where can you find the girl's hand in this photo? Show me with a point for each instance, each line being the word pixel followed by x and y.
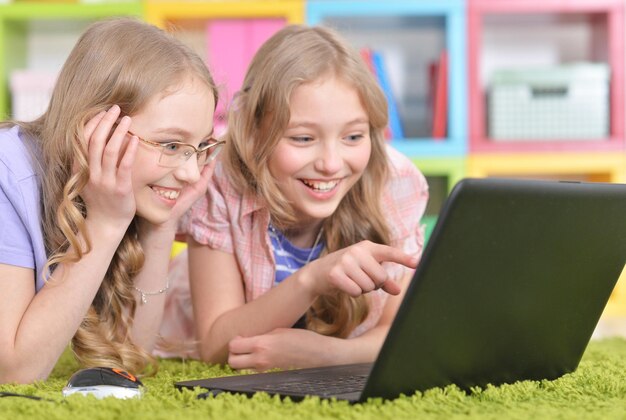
pixel 108 195
pixel 283 348
pixel 355 270
pixel 192 192
pixel 189 195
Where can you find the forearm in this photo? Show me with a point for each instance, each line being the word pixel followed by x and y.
pixel 280 307
pixel 361 349
pixel 54 314
pixel 328 351
pixel 157 245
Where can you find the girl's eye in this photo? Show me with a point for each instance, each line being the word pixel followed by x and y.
pixel 354 137
pixel 301 139
pixel 171 147
pixel 205 144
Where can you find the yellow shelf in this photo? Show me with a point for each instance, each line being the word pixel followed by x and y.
pixel 159 13
pixel 616 307
pixel 594 167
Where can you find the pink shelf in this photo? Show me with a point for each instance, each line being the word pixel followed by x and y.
pixel 612 11
pixel 232 43
pixel 521 146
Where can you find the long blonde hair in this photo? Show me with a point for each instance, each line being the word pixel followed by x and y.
pixel 118 61
pixel 259 116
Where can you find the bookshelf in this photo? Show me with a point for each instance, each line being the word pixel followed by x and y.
pixel 479 37
pixel 409 36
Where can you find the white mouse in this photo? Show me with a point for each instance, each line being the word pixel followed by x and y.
pixel 104 382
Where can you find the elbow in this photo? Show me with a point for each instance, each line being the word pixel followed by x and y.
pixel 211 353
pixel 17 375
pixel 212 346
pixel 15 370
pixel 213 356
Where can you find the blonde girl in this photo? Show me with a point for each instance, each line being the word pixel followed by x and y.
pixel 90 197
pixel 309 233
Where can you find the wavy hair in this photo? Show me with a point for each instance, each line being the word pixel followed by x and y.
pixel 259 116
pixel 116 61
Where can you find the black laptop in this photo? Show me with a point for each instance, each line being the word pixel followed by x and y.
pixel 510 287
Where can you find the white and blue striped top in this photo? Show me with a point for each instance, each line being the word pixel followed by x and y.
pixel 290 258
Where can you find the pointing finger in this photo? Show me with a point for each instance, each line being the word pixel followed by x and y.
pixel 384 253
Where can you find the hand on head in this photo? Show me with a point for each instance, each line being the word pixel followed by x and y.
pixel 357 269
pixel 112 150
pixel 108 194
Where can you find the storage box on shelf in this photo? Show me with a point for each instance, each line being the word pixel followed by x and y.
pixel 410 37
pixel 557 103
pixel 522 34
pixel 226 33
pixel 28 31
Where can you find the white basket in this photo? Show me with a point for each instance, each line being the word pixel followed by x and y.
pixel 30 93
pixel 560 103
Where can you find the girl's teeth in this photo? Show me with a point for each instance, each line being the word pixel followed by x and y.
pixel 321 186
pixel 169 194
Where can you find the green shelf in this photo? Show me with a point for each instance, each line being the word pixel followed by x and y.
pixel 14 22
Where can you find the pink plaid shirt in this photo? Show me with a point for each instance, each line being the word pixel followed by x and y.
pixel 227 221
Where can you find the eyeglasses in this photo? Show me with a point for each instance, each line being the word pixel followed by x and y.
pixel 176 153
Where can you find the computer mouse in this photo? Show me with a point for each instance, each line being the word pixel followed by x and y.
pixel 104 382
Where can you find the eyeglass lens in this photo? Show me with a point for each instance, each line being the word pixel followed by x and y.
pixel 176 154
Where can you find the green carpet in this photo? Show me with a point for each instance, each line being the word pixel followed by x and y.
pixel 596 390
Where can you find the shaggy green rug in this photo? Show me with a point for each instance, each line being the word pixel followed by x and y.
pixel 596 390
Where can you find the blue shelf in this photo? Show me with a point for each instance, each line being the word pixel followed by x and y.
pixel 449 147
pixel 452 14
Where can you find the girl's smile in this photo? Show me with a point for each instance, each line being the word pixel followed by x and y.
pixel 167 195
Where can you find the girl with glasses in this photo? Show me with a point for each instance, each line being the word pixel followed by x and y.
pixel 309 233
pixel 90 196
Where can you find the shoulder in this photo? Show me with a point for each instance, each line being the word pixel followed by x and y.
pixel 15 156
pixel 220 212
pixel 404 201
pixel 237 202
pixel 404 176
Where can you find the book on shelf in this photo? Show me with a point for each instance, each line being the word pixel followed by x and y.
pixel 376 63
pixel 366 55
pixel 438 73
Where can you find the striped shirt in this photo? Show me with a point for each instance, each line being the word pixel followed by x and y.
pixel 289 258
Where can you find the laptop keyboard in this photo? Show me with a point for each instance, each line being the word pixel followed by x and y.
pixel 323 387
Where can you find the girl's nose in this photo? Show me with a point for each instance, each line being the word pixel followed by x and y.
pixel 188 171
pixel 330 159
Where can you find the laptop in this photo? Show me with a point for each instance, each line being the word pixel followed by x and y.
pixel 510 287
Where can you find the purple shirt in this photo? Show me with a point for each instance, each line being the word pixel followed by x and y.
pixel 21 238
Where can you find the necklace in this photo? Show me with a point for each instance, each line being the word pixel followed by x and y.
pixel 279 240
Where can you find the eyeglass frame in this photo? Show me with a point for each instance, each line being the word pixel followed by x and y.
pixel 196 150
